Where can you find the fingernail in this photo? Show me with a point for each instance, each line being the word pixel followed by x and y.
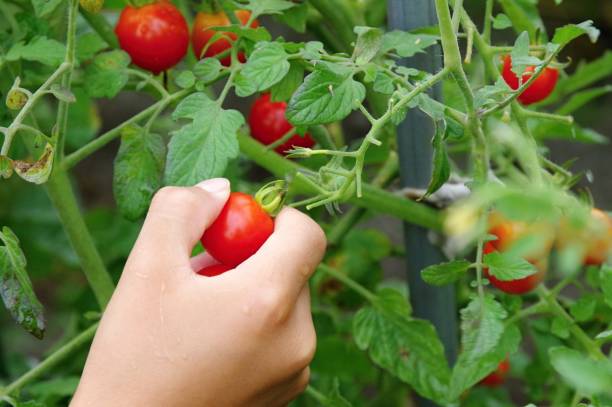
pixel 215 186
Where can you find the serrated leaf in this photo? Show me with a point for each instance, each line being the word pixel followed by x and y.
pixel 583 309
pixel 107 74
pixel 567 33
pixel 266 66
pixel 560 327
pixel 506 267
pixel 88 45
pixel 16 288
pixel 587 376
pixel 521 58
pixel 441 164
pixel 185 80
pixel 138 171
pixel 207 69
pixel 202 148
pixel 369 42
pixel 407 44
pixel 327 95
pixel 408 348
pixel 36 172
pixel 383 83
pixel 39 49
pixel 259 7
pixel 501 22
pixel 284 89
pixel 445 273
pixel 482 326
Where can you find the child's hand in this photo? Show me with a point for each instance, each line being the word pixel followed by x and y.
pixel 170 337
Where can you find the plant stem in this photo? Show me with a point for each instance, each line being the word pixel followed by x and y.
pixel 49 363
pixel 101 26
pixel 488 17
pixel 375 199
pixel 548 116
pixel 349 282
pixel 589 344
pixel 63 197
pixel 99 142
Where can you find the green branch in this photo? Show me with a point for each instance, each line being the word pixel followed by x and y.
pixel 101 26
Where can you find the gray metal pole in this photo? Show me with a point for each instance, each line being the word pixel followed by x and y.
pixel 415 152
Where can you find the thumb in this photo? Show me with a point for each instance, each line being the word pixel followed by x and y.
pixel 178 217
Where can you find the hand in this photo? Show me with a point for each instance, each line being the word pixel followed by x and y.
pixel 170 337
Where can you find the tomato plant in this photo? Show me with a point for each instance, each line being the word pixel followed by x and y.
pixel 331 97
pixel 155 36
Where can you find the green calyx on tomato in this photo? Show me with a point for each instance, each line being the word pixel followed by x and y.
pixel 202 35
pixel 155 36
pixel 538 90
pixel 271 196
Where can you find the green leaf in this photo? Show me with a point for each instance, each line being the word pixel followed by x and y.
pixel 61 386
pixel 327 95
pixel 586 74
pixel 43 8
pixel 501 22
pixel 560 327
pixel 468 370
pixel 506 267
pixel 266 66
pixel 284 89
pixel 407 44
pixel 107 74
pixel 207 69
pixel 185 79
pixel 441 164
pixel 138 170
pixel 605 275
pixel 295 17
pixel 39 49
pixel 88 45
pixel 482 326
pixel 369 42
pixel 525 16
pixel 408 348
pixel 202 148
pixel 383 83
pixel 6 166
pixel 62 94
pixel 589 377
pixel 334 398
pixel 578 100
pixel 583 309
pixel 567 33
pixel 445 273
pixel 546 129
pixel 521 58
pixel 36 172
pixel 259 7
pixel 16 288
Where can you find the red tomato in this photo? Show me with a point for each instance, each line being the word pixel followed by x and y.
pixel 155 36
pixel 520 286
pixel 214 270
pixel 239 231
pixel 201 34
pixel 498 376
pixel 268 124
pixel 600 245
pixel 539 90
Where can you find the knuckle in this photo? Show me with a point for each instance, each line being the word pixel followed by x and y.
pixel 272 307
pixel 305 350
pixel 302 381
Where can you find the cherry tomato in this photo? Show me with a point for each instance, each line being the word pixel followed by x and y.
pixel 498 376
pixel 539 90
pixel 214 270
pixel 239 230
pixel 600 246
pixel 155 36
pixel 268 124
pixel 201 34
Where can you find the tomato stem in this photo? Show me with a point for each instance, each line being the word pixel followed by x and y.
pixel 271 196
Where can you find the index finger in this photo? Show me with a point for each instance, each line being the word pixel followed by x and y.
pixel 288 258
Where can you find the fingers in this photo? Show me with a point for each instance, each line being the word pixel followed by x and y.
pixel 177 218
pixel 289 257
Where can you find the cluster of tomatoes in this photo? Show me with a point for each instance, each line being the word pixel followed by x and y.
pixel 156 36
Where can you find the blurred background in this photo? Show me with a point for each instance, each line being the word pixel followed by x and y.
pixel 53 266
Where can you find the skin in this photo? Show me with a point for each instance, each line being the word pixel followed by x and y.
pixel 201 34
pixel 156 36
pixel 170 337
pixel 539 90
pixel 268 124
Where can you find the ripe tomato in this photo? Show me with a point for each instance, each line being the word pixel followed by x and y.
pixel 268 124
pixel 600 245
pixel 498 376
pixel 214 270
pixel 521 285
pixel 155 36
pixel 539 90
pixel 201 34
pixel 239 230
